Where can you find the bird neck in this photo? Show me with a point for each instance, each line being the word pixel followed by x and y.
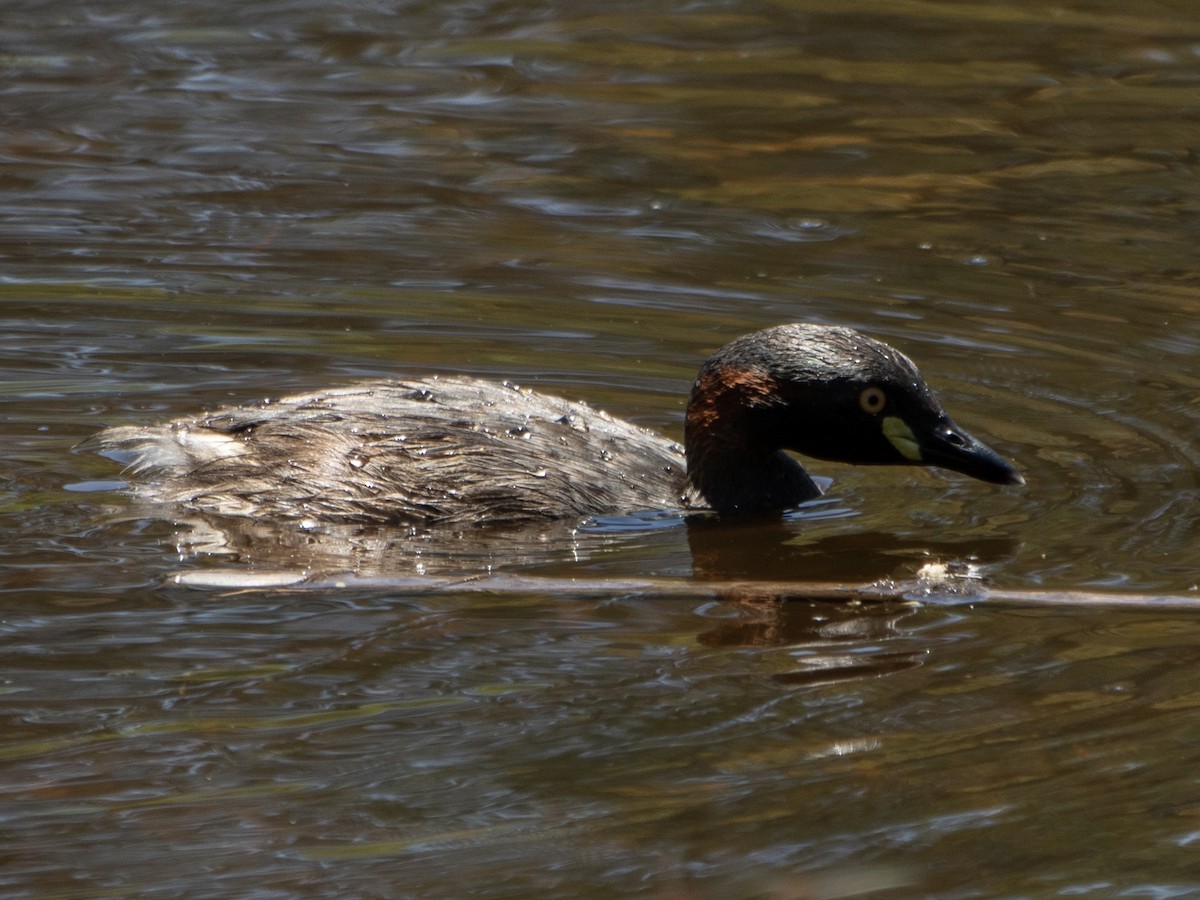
pixel 732 466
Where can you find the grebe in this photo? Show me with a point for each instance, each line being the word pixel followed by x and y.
pixel 458 451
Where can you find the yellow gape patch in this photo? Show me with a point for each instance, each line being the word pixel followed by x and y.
pixel 901 437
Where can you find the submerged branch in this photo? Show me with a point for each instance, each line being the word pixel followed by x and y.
pixel 937 588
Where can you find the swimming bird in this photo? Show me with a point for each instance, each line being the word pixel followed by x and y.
pixel 453 451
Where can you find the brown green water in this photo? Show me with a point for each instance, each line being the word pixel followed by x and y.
pixel 204 204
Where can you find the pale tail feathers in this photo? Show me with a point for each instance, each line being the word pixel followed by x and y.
pixel 167 449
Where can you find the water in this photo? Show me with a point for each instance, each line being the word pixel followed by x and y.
pixel 212 205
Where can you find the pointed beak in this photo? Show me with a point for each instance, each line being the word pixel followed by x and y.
pixel 950 447
pixel 946 445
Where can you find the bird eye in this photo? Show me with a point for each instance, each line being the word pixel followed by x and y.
pixel 872 400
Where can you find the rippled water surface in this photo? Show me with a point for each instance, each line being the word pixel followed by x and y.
pixel 213 204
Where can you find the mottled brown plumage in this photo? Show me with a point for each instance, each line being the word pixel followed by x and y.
pixel 442 450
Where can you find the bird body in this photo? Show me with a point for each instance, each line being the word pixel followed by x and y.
pixel 442 450
pixel 459 451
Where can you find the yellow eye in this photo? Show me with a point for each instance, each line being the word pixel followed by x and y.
pixel 872 400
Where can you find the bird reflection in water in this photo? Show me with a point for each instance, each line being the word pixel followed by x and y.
pixel 831 638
